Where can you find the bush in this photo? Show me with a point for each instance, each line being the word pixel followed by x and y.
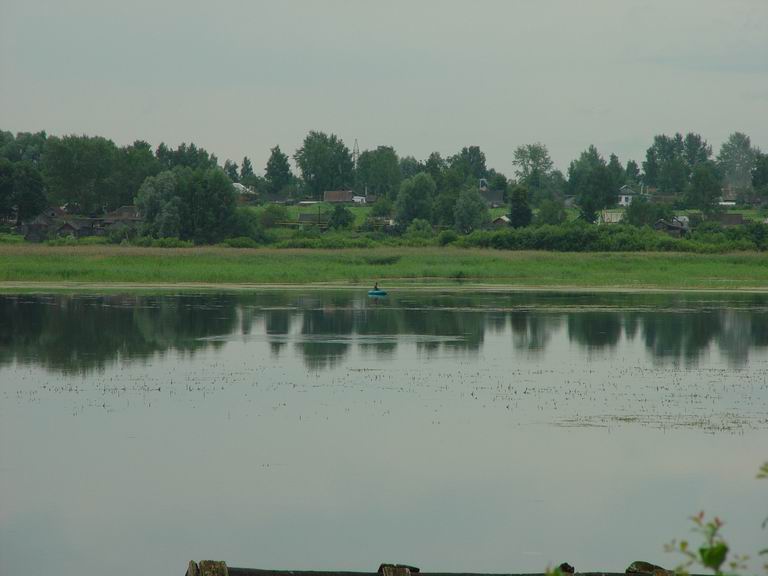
pixel 149 242
pixel 382 208
pixel 93 240
pixel 447 237
pixel 119 233
pixel 11 238
pixel 582 237
pixel 240 242
pixel 551 212
pixel 341 217
pixel 419 229
pixel 247 225
pixel 382 260
pixel 272 214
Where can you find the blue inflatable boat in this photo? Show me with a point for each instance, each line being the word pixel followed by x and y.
pixel 377 292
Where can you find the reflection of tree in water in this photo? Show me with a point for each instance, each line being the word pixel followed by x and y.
pixel 446 315
pixel 496 322
pixel 532 331
pixel 79 334
pixel 674 335
pixel 680 336
pixel 320 345
pixel 378 321
pixel 595 329
pixel 83 333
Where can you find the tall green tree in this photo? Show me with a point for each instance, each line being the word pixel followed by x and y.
pixel 79 170
pixel 6 188
pixel 590 182
pixel 670 161
pixel 160 204
pixel 444 207
pixel 185 155
pixel 497 181
pixel 325 163
pixel 551 212
pixel 520 213
pixel 616 172
pixel 705 189
pixel 415 199
pixel 470 211
pixel 533 169
pixel 736 161
pixel 133 164
pixel 378 172
pixel 28 191
pixel 278 171
pixel 695 151
pixel 673 176
pixel 632 172
pixel 409 167
pixel 651 168
pixel 246 169
pixel 470 161
pixel 641 212
pixel 231 170
pixel 28 146
pixel 190 204
pixel 435 166
pixel 213 200
pixel 760 174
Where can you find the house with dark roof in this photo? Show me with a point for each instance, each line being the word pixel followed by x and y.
pixel 500 222
pixel 677 227
pixel 338 196
pixel 492 198
pixel 56 222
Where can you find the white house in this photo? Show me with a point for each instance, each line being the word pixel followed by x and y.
pixel 626 195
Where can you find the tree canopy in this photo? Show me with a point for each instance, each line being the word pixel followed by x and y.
pixel 590 182
pixel 520 213
pixel 278 171
pixel 378 172
pixel 736 161
pixel 325 163
pixel 470 212
pixel 415 199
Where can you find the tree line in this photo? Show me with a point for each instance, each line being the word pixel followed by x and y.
pixel 186 193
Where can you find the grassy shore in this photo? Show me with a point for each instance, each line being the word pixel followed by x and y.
pixel 150 266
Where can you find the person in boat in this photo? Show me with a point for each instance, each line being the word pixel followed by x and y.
pixel 376 286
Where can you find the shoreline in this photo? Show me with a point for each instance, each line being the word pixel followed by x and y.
pixel 418 286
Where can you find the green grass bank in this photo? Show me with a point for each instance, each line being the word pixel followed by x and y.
pixel 25 263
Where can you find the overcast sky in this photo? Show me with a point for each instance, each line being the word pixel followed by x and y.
pixel 238 77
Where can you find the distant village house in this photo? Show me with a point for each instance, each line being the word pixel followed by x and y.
pixel 55 222
pixel 338 196
pixel 627 195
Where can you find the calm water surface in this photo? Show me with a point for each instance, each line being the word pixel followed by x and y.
pixel 326 430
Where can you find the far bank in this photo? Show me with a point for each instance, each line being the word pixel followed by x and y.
pixel 216 266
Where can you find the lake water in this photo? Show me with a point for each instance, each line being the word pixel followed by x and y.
pixel 325 430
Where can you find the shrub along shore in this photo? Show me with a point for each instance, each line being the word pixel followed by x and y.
pixel 24 264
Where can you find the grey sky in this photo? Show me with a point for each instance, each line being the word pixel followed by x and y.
pixel 239 77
